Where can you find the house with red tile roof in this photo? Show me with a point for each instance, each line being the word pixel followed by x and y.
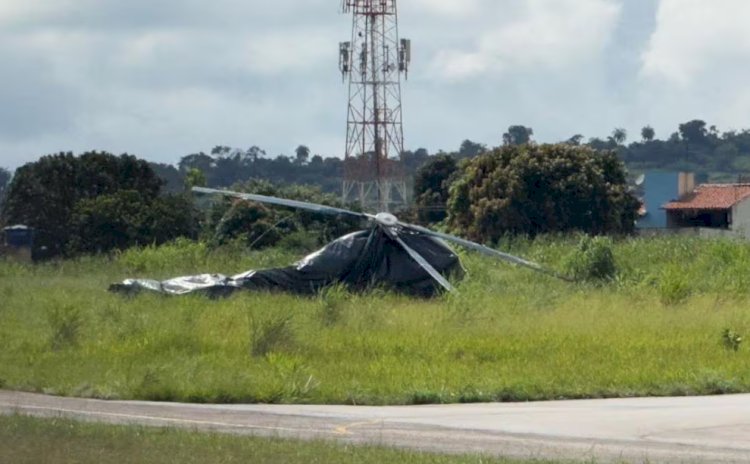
pixel 713 206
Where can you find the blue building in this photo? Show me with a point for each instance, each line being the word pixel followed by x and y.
pixel 660 188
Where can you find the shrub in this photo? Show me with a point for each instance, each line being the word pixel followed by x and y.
pixel 674 285
pixel 592 260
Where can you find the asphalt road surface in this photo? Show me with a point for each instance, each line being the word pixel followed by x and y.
pixel 655 430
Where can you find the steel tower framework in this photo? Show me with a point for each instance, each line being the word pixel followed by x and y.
pixel 373 62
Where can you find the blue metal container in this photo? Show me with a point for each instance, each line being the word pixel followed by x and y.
pixel 19 236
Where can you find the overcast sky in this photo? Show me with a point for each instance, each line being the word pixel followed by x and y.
pixel 162 79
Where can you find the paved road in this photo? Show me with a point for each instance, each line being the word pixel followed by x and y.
pixel 684 430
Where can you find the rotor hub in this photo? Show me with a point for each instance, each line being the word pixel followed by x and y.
pixel 386 219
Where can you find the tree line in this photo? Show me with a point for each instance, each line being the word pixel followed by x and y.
pixel 694 146
pixel 97 202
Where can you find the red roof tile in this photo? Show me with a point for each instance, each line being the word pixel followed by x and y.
pixel 711 197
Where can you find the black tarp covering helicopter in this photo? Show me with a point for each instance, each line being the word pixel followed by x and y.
pixel 389 254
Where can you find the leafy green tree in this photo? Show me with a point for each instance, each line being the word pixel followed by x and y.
pixel 261 226
pixel 173 179
pixel 431 188
pixel 221 151
pixel 648 134
pixel 200 161
pixel 518 135
pixel 194 178
pixel 411 161
pixel 44 194
pixel 694 132
pixel 470 149
pixel 724 155
pixel 127 218
pixel 532 190
pixel 251 222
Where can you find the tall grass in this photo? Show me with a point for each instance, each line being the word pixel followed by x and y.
pixel 670 322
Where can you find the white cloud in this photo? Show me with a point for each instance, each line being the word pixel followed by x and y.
pixel 293 51
pixel 697 63
pixel 696 37
pixel 543 33
pixel 450 8
pixel 165 78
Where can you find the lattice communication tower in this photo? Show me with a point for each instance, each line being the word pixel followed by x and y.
pixel 373 62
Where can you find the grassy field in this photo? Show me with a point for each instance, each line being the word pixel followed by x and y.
pixel 33 441
pixel 667 325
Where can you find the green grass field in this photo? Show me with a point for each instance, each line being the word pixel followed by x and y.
pixel 667 325
pixel 27 440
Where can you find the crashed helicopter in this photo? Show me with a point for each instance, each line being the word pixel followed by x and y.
pixel 390 254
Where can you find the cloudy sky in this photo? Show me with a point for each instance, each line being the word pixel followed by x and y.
pixel 162 79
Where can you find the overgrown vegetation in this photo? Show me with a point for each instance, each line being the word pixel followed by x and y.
pixel 96 202
pixel 592 261
pixel 540 189
pixel 57 441
pixel 670 322
pixel 258 226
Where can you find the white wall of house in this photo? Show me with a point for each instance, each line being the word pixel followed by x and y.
pixel 741 218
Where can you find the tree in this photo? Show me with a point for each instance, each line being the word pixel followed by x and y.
pixel 302 155
pixel 431 188
pixel 262 226
pixel 599 144
pixel 541 189
pixel 4 181
pixel 221 151
pixel 575 140
pixel 4 178
pixel 199 161
pixel 411 161
pixel 173 179
pixel 619 136
pixel 518 135
pixel 648 134
pixel 194 178
pixel 44 194
pixel 255 153
pixel 470 149
pixel 126 218
pixel 694 132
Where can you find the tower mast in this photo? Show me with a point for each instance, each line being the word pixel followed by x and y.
pixel 373 62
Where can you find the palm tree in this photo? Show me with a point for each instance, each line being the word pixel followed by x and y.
pixel 619 135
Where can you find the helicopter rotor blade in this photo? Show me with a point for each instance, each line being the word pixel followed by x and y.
pixel 423 263
pixel 487 251
pixel 313 207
